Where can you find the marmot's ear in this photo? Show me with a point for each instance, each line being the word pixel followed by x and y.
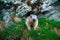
pixel 37 16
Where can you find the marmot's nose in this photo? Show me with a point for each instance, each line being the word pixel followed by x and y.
pixel 34 20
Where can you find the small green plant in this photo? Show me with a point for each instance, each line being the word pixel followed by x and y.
pixel 13 15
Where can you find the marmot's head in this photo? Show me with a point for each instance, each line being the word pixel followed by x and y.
pixel 33 17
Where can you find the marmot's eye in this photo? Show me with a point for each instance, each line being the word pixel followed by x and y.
pixel 31 16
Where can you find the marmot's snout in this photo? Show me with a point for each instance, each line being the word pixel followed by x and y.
pixel 34 20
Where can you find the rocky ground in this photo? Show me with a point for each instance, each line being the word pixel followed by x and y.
pixel 55 13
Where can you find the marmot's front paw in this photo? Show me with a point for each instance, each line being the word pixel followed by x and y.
pixel 29 28
pixel 34 28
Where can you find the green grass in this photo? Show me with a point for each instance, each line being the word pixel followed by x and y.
pixel 43 21
pixel 43 34
pixel 14 29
